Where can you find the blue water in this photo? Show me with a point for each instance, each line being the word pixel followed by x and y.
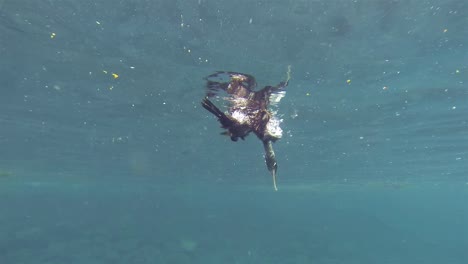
pixel 107 157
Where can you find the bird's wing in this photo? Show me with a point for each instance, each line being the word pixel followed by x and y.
pixel 231 83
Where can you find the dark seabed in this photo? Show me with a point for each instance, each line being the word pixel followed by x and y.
pixel 106 155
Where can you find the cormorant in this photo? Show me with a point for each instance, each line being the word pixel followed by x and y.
pixel 247 110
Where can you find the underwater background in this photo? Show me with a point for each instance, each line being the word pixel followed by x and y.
pixel 106 155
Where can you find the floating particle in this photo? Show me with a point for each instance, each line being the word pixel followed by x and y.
pixel 445 30
pixel 308 94
pixel 104 71
pixel 348 81
pixel 97 22
pixel 111 88
pixel 115 75
pixel 52 35
pixel 457 71
pixel 384 88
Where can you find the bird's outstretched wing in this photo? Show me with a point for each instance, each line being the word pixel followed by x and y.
pixel 236 84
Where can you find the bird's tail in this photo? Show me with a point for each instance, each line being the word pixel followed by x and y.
pixel 208 105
